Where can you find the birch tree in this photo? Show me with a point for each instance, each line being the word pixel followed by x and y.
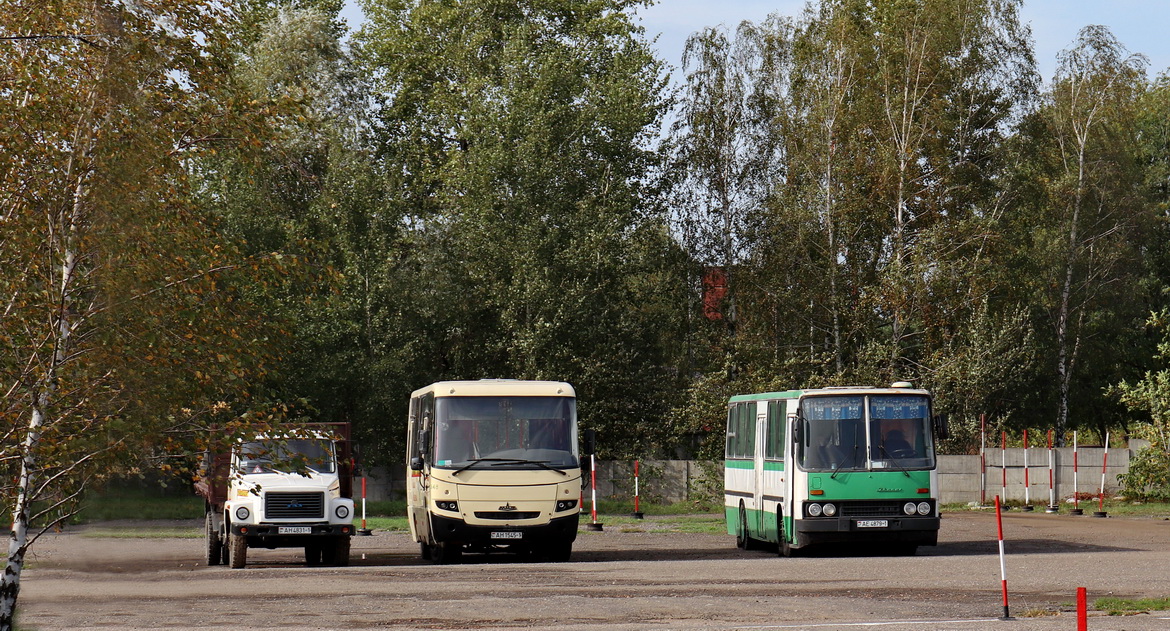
pixel 121 326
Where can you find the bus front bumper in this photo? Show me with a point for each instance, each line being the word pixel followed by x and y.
pixel 448 530
pixel 916 530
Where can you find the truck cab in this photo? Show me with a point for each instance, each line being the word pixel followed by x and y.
pixel 281 492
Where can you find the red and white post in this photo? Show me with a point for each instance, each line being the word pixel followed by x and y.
pixel 363 531
pixel 982 460
pixel 1053 507
pixel 593 525
pixel 637 511
pixel 1027 483
pixel 1076 467
pixel 1002 560
pixel 1101 493
pixel 1003 463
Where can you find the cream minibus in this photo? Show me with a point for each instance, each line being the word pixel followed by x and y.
pixel 493 466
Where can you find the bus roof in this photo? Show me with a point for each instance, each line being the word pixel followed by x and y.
pixel 498 387
pixel 835 390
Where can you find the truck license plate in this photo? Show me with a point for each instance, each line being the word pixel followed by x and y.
pixel 873 523
pixel 294 530
pixel 507 535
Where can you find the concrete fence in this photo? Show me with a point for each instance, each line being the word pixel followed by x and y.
pixel 960 477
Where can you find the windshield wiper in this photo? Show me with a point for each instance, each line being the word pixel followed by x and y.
pixel 542 463
pixel 852 458
pixel 891 457
pixel 498 461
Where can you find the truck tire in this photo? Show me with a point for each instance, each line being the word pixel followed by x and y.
pixel 337 552
pixel 313 554
pixel 238 551
pixel 214 541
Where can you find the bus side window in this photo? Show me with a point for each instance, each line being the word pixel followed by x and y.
pixel 774 449
pixel 748 414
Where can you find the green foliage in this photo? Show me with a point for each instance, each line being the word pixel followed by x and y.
pixel 1149 470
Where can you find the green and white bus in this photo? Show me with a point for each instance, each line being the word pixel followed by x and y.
pixel 833 465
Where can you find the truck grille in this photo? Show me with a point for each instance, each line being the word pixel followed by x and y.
pixel 294 505
pixel 507 515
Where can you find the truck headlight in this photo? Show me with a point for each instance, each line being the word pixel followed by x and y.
pixel 341 511
pixel 242 513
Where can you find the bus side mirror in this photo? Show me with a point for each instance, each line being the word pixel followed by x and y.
pixel 942 427
pixel 798 430
pixel 424 442
pixel 416 464
pixel 588 442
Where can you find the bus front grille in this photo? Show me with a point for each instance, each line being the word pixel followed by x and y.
pixel 507 515
pixel 294 505
pixel 871 509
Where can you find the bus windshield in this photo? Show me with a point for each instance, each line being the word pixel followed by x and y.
pixel 287 456
pixel 505 432
pixel 857 433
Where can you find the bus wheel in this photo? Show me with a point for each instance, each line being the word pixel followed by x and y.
pixel 785 548
pixel 446 553
pixel 559 552
pixel 425 551
pixel 742 539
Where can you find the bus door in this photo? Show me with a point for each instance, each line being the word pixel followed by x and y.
pixel 761 408
pixel 422 410
pixel 790 421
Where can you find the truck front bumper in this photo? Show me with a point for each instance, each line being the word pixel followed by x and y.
pixel 289 535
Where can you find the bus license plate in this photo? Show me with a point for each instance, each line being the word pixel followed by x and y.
pixel 294 530
pixel 873 523
pixel 507 535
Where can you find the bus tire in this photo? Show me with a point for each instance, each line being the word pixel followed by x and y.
pixel 446 553
pixel 786 550
pixel 743 540
pixel 559 552
pixel 424 551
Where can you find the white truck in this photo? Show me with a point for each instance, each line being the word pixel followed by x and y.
pixel 280 492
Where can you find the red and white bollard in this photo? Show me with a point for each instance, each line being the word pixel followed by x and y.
pixel 594 524
pixel 1003 465
pixel 1082 609
pixel 1027 483
pixel 982 460
pixel 1053 507
pixel 1002 560
pixel 637 513
pixel 363 531
pixel 1076 500
pixel 1101 493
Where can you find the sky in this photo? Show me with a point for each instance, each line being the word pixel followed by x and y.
pixel 1140 25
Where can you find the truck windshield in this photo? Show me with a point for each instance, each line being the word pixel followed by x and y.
pixel 856 433
pixel 287 455
pixel 513 432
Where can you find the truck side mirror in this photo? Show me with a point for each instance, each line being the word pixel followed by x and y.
pixel 589 442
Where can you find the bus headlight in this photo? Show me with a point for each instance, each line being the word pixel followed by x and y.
pixel 564 505
pixel 910 508
pixel 448 506
pixel 830 510
pixel 923 508
pixel 814 510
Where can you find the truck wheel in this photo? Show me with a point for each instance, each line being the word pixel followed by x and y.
pixel 214 541
pixel 313 554
pixel 238 551
pixel 338 552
